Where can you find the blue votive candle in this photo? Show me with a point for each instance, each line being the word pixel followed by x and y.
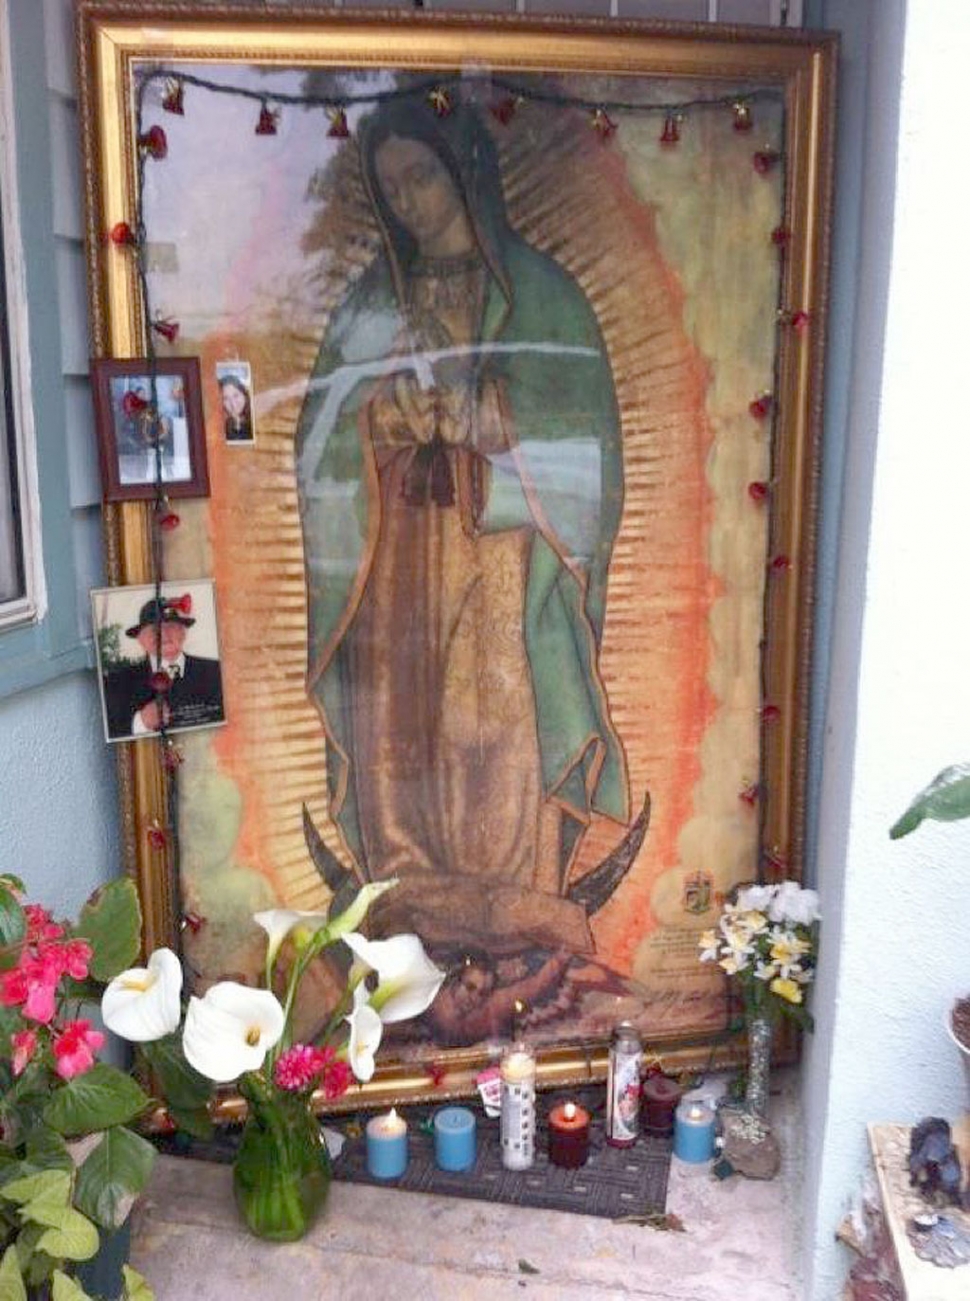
pixel 387 1146
pixel 694 1131
pixel 454 1138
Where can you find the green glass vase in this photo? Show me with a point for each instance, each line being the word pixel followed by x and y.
pixel 281 1175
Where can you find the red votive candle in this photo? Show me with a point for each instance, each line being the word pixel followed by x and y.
pixel 659 1097
pixel 568 1135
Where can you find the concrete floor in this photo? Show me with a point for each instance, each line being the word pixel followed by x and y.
pixel 373 1243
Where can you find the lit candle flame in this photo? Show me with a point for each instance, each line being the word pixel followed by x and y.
pixel 569 1111
pixel 697 1111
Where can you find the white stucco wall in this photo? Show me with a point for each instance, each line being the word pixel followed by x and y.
pixel 897 932
pixel 59 810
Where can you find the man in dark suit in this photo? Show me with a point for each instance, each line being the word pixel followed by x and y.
pixel 167 686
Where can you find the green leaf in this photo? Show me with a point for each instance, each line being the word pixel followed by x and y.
pixel 48 1189
pixel 181 1084
pixel 76 1239
pixel 11 1280
pixel 102 1097
pixel 110 921
pixel 13 927
pixel 946 799
pixel 113 1176
pixel 45 1148
pixel 197 1123
pixel 67 1289
pixel 136 1288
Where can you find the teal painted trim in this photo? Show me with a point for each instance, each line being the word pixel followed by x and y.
pixel 42 651
pixel 20 672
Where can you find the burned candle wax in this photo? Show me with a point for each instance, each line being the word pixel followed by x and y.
pixel 568 1135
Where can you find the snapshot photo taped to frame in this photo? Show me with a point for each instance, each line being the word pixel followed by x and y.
pixel 516 582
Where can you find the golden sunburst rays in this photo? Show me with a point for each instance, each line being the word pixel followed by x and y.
pixel 568 195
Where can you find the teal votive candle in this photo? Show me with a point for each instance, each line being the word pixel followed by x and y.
pixel 454 1138
pixel 694 1131
pixel 387 1146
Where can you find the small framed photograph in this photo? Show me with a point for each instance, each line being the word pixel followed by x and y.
pixel 136 437
pixel 235 380
pixel 139 632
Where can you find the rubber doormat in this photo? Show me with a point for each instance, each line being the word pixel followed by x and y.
pixel 613 1183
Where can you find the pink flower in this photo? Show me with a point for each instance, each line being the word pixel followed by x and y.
pixel 39 924
pixel 24 1044
pixel 75 955
pixel 41 973
pixel 336 1080
pixel 298 1067
pixel 74 1049
pixel 13 987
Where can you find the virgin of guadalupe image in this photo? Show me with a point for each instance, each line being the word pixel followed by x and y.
pixel 460 475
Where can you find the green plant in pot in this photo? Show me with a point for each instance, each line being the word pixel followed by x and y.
pixel 71 1165
pixel 946 799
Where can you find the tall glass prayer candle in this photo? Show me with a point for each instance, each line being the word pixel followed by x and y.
pixel 518 1123
pixel 387 1146
pixel 568 1135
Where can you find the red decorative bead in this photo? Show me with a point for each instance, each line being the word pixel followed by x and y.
pixel 760 408
pixel 169 521
pixel 780 564
pixel 172 757
pixel 759 490
pixel 168 329
pixel 180 604
pixel 799 322
pixel 160 682
pixel 770 713
pixel 156 836
pixel 172 100
pixel 765 161
pixel 503 110
pixel 436 1074
pixel 670 135
pixel 192 922
pixel 440 101
pixel 775 859
pixel 154 142
pixel 122 235
pixel 267 123
pixel 603 124
pixel 743 121
pixel 339 130
pixel 749 795
pixel 133 404
pixel 781 236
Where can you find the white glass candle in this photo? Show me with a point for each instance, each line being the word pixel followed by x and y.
pixel 518 1124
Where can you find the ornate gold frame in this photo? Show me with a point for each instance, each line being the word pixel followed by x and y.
pixel 112 34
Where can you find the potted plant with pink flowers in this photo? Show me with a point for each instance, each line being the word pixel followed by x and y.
pixel 71 1166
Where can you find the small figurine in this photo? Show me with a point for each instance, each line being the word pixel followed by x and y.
pixel 934 1166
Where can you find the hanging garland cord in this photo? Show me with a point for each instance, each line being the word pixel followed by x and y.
pixel 435 93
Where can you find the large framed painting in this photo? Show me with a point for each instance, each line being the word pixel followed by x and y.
pixel 514 585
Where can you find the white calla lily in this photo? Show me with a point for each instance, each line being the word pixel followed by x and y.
pixel 143 1003
pixel 278 922
pixel 231 1029
pixel 352 917
pixel 366 1029
pixel 407 978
